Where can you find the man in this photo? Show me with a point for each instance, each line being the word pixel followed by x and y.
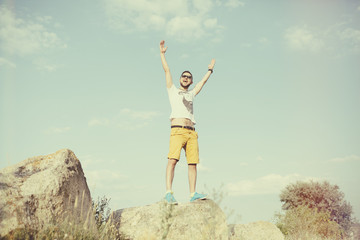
pixel 183 133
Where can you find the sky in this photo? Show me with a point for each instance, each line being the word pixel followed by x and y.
pixel 281 106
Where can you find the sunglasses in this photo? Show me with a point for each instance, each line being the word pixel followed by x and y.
pixel 186 76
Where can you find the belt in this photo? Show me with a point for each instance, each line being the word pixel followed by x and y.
pixel 187 127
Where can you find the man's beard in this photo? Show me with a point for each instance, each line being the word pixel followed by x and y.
pixel 185 87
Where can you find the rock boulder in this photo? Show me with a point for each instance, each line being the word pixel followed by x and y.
pixel 255 231
pixel 42 190
pixel 198 220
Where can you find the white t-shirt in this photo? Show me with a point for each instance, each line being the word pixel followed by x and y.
pixel 181 103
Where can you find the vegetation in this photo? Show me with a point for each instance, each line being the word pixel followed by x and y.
pixel 101 210
pixel 218 195
pixel 304 221
pixel 311 211
pixel 167 212
pixel 314 210
pixel 99 224
pixel 96 226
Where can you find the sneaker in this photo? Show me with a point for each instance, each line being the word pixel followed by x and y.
pixel 169 198
pixel 198 196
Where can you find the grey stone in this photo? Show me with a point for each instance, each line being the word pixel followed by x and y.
pixel 43 190
pixel 202 219
pixel 260 230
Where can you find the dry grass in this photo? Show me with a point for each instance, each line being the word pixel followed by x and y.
pixel 304 223
pixel 70 226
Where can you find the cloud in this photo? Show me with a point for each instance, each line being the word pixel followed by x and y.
pixel 351 34
pixel 243 164
pixel 351 158
pixel 105 179
pixel 246 45
pixel 191 25
pixel 201 167
pixel 142 115
pixel 264 40
pixel 25 36
pixel 127 119
pixel 184 56
pixel 131 120
pixel 100 177
pixel 58 130
pixel 301 38
pixel 130 126
pixel 338 39
pixel 42 64
pixel 269 184
pixel 351 37
pixel 234 3
pixel 98 122
pixel 6 63
pixel 182 20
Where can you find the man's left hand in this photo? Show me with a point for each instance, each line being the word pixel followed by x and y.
pixel 212 64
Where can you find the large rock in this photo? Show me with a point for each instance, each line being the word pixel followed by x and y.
pixel 255 231
pixel 197 220
pixel 42 190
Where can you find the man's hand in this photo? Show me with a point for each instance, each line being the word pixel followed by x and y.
pixel 162 47
pixel 200 84
pixel 168 77
pixel 212 64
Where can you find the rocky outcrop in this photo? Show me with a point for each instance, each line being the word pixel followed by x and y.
pixel 197 220
pixel 255 231
pixel 42 190
pixel 45 190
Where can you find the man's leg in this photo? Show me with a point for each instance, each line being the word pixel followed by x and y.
pixel 177 141
pixel 170 171
pixel 192 155
pixel 192 177
pixel 192 183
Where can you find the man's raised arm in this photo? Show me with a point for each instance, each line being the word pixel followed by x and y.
pixel 200 84
pixel 168 77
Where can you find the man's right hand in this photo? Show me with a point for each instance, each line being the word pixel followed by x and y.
pixel 162 47
pixel 168 77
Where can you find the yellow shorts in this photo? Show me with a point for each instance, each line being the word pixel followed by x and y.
pixel 187 139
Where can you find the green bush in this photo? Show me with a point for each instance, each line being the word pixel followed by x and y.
pixel 304 222
pixel 321 196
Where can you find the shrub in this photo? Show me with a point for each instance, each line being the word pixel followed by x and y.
pixel 307 222
pixel 101 211
pixel 322 197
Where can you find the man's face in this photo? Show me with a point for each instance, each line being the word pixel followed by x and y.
pixel 186 80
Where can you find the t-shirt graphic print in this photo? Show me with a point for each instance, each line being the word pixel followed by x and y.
pixel 181 103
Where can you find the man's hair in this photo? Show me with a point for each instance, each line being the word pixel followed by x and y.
pixel 187 72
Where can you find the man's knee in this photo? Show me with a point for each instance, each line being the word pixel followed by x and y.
pixel 172 161
pixel 192 165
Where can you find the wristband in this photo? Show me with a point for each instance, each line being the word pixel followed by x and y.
pixel 210 70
